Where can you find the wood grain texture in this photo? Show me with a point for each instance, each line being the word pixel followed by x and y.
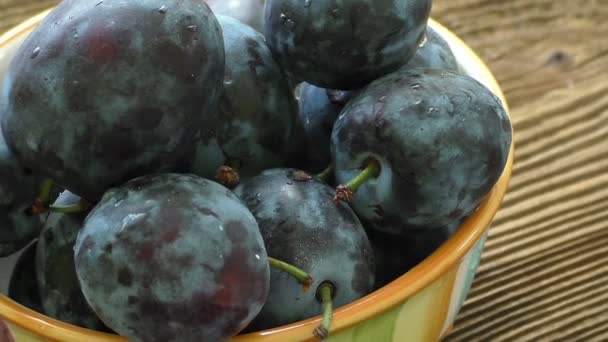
pixel 544 273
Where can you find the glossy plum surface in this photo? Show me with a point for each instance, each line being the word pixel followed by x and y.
pixel 60 290
pixel 104 91
pixel 19 188
pixel 23 287
pixel 319 109
pixel 255 126
pixel 172 257
pixel 250 12
pixel 397 254
pixel 301 225
pixel 433 53
pixel 442 140
pixel 344 44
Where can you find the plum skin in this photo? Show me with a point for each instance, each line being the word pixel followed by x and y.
pixel 442 140
pixel 433 53
pixel 18 190
pixel 302 225
pixel 347 44
pixel 172 257
pixel 318 110
pixel 250 12
pixel 125 83
pixel 22 285
pixel 58 284
pixel 255 126
pixel 397 254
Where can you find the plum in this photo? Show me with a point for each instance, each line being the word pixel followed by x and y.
pixel 397 254
pixel 172 257
pixel 23 287
pixel 433 53
pixel 344 44
pixel 104 91
pixel 18 190
pixel 440 141
pixel 59 288
pixel 301 225
pixel 256 125
pixel 319 109
pixel 250 12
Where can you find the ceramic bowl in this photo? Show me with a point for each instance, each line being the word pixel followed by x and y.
pixel 421 305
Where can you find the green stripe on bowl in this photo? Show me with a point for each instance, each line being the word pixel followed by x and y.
pixel 378 329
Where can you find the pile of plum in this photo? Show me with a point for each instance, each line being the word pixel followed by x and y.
pixel 187 171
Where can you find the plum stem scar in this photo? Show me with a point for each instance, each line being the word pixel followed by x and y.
pixel 345 192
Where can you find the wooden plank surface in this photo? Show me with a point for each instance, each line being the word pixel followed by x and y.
pixel 544 274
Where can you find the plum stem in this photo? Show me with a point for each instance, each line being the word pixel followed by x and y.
pixel 326 292
pixel 41 203
pixel 345 192
pixel 325 174
pixel 228 176
pixel 71 209
pixel 301 276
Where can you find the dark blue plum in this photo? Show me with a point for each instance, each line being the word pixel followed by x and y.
pixel 60 290
pixel 397 254
pixel 319 109
pixel 442 141
pixel 172 257
pixel 344 44
pixel 250 12
pixel 18 190
pixel 301 225
pixel 256 125
pixel 104 91
pixel 23 287
pixel 433 53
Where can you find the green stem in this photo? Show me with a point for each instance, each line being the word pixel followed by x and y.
pixel 44 197
pixel 326 291
pixel 70 209
pixel 41 203
pixel 301 276
pixel 345 192
pixel 325 174
pixel 372 170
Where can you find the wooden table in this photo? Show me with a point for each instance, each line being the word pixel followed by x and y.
pixel 544 274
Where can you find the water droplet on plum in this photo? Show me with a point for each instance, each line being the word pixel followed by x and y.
pixel 35 53
pixel 423 41
pixel 227 80
pixel 287 21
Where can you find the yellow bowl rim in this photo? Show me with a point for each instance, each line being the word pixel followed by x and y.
pixel 383 299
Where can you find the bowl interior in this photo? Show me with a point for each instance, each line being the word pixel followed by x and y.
pixel 448 255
